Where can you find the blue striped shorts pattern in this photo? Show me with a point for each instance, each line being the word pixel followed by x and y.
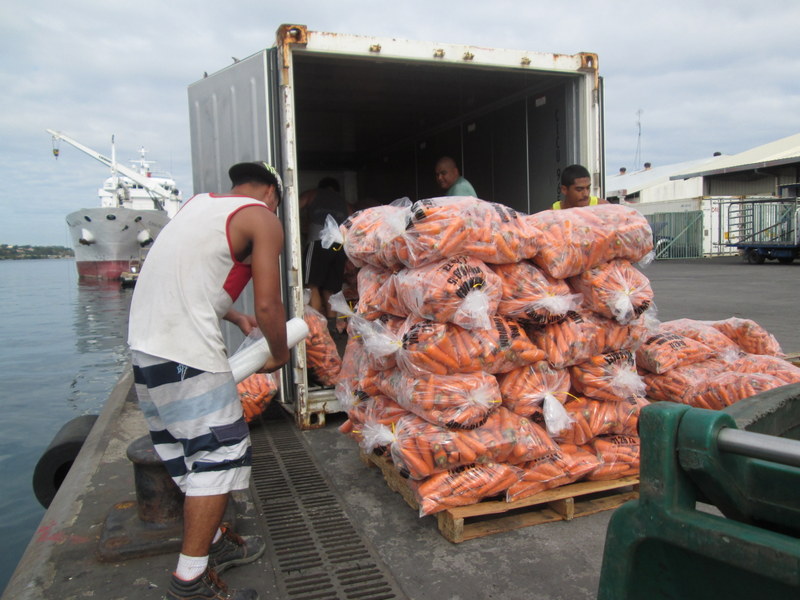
pixel 196 424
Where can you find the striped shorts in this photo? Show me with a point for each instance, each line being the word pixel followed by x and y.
pixel 196 424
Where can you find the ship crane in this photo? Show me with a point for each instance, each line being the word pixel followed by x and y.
pixel 157 191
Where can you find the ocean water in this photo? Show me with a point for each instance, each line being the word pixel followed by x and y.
pixel 62 350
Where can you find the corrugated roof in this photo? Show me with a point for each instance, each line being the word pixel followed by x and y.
pixel 779 152
pixel 635 181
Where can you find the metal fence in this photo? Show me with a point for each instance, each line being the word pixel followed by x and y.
pixel 764 221
pixel 677 234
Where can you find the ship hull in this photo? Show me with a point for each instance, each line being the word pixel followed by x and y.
pixel 105 240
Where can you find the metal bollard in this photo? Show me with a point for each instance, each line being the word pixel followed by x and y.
pixel 159 500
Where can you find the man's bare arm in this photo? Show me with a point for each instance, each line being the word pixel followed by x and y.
pixel 265 235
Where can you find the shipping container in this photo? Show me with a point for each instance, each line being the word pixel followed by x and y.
pixel 377 114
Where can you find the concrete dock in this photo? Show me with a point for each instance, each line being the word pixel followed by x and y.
pixel 364 541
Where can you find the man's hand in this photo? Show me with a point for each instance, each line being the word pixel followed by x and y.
pixel 270 366
pixel 244 322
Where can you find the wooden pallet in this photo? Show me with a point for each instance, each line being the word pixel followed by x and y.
pixel 485 518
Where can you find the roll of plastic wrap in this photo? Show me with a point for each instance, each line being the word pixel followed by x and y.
pixel 250 359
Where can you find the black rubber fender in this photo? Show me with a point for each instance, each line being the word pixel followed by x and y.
pixel 56 461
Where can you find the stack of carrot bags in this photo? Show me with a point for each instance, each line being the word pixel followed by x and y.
pixel 496 353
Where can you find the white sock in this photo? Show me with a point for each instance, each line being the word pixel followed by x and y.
pixel 217 536
pixel 190 567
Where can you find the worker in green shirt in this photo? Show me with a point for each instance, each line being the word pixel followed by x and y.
pixel 450 180
pixel 575 185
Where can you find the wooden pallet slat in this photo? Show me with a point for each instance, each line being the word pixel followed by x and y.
pixel 564 503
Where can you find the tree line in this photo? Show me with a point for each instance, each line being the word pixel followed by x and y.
pixel 10 252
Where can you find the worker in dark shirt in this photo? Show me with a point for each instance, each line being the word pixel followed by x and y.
pixel 324 267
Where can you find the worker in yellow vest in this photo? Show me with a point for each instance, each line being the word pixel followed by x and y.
pixel 575 185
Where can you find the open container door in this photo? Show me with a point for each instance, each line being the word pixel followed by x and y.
pixel 235 115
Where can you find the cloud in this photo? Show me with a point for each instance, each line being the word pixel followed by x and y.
pixel 707 77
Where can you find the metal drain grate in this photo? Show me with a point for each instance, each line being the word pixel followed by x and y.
pixel 316 551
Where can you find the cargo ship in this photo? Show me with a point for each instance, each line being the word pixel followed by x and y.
pixel 135 204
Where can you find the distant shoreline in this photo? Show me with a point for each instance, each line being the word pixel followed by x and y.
pixel 10 252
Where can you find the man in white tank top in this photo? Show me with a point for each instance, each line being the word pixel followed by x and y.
pixel 197 267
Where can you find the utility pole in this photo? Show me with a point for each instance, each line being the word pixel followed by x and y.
pixel 638 157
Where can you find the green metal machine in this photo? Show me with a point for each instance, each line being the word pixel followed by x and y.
pixel 719 508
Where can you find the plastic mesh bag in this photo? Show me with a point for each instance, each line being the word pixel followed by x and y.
pixel 530 295
pixel 446 349
pixel 454 401
pixel 664 351
pixel 615 289
pixel 575 240
pixel 444 227
pixel 256 392
pixel 460 290
pixel 611 377
pixel 748 335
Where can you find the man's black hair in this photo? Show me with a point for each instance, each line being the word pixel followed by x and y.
pixel 573 172
pixel 329 183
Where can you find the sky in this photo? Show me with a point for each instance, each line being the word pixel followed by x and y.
pixel 682 79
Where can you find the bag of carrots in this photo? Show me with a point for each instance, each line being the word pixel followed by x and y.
pixel 256 392
pixel 355 373
pixel 444 227
pixel 581 461
pixel 373 236
pixel 386 381
pixel 377 294
pixel 462 486
pixel 704 333
pixel 538 475
pixel 749 336
pixel 421 448
pixel 380 340
pixel 456 401
pixel 532 296
pixel 370 419
pixel 379 337
pixel 593 418
pixel 537 387
pixel 611 377
pixel 678 384
pixel 321 352
pixel 619 456
pixel 582 335
pixel 551 471
pixel 376 416
pixel 571 341
pixel 447 349
pixel 767 365
pixel 729 387
pixel 664 351
pixel 575 240
pixel 614 289
pixel 459 289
